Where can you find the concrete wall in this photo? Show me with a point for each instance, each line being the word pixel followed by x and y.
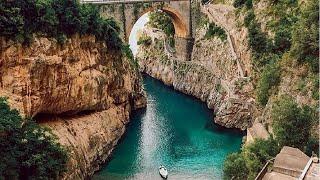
pixel 184 48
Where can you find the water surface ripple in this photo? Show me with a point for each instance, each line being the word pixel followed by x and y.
pixel 175 130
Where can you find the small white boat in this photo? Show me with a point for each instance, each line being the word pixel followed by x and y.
pixel 163 172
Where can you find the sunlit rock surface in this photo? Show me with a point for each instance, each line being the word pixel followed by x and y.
pixel 83 90
pixel 217 73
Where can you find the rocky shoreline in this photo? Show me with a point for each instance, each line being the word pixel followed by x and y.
pixel 212 76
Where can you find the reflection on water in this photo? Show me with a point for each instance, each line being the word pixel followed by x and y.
pixel 175 130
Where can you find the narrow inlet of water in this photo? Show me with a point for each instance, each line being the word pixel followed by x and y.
pixel 176 131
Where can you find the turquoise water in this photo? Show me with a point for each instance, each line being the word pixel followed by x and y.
pixel 175 130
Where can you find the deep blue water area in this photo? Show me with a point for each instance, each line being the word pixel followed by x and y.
pixel 175 130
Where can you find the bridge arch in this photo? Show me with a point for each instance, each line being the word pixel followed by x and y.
pixel 180 25
pixel 127 12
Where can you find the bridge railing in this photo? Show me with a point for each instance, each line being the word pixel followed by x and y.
pixel 264 170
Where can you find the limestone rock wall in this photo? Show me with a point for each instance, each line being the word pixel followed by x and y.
pixel 225 17
pixel 89 138
pixel 83 90
pixel 212 76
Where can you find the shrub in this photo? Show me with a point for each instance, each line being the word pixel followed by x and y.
pixel 251 159
pixel 40 16
pixel 68 13
pixel 11 22
pixel 110 34
pixel 249 4
pixel 28 150
pixel 315 89
pixel 305 39
pixel 312 146
pixel 9 119
pixel 144 40
pixel 258 153
pixel 91 22
pixel 257 39
pixel 238 3
pixel 249 18
pixel 234 167
pixel 161 20
pixel 215 31
pixel 127 52
pixel 241 3
pixel 20 19
pixel 287 119
pixel 270 77
pixel 282 40
pixel 282 28
pixel 203 21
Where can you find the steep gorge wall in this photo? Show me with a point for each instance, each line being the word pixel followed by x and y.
pixel 212 75
pixel 83 90
pixel 225 17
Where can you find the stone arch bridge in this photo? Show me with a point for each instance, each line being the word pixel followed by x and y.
pixel 127 12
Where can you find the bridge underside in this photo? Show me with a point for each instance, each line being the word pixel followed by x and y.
pixel 127 12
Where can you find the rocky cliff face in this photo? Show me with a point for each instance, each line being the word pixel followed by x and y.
pixel 216 74
pixel 82 90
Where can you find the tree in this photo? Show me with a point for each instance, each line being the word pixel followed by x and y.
pixel 257 39
pixel 291 124
pixel 235 167
pixel 144 40
pixel 90 20
pixel 68 13
pixel 215 31
pixel 28 150
pixel 305 39
pixel 238 3
pixel 282 38
pixel 110 34
pixel 248 163
pixel 46 19
pixel 161 20
pixel 270 77
pixel 258 153
pixel 11 22
pixel 20 19
pixel 249 18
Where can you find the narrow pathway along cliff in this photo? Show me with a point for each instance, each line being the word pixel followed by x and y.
pixel 216 73
pixel 76 103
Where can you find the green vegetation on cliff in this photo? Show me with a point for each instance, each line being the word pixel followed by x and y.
pixel 305 39
pixel 212 30
pixel 20 19
pixel 160 20
pixel 289 42
pixel 247 163
pixel 28 150
pixel 144 40
pixel 270 77
pixel 291 126
pixel 295 36
pixel 215 31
